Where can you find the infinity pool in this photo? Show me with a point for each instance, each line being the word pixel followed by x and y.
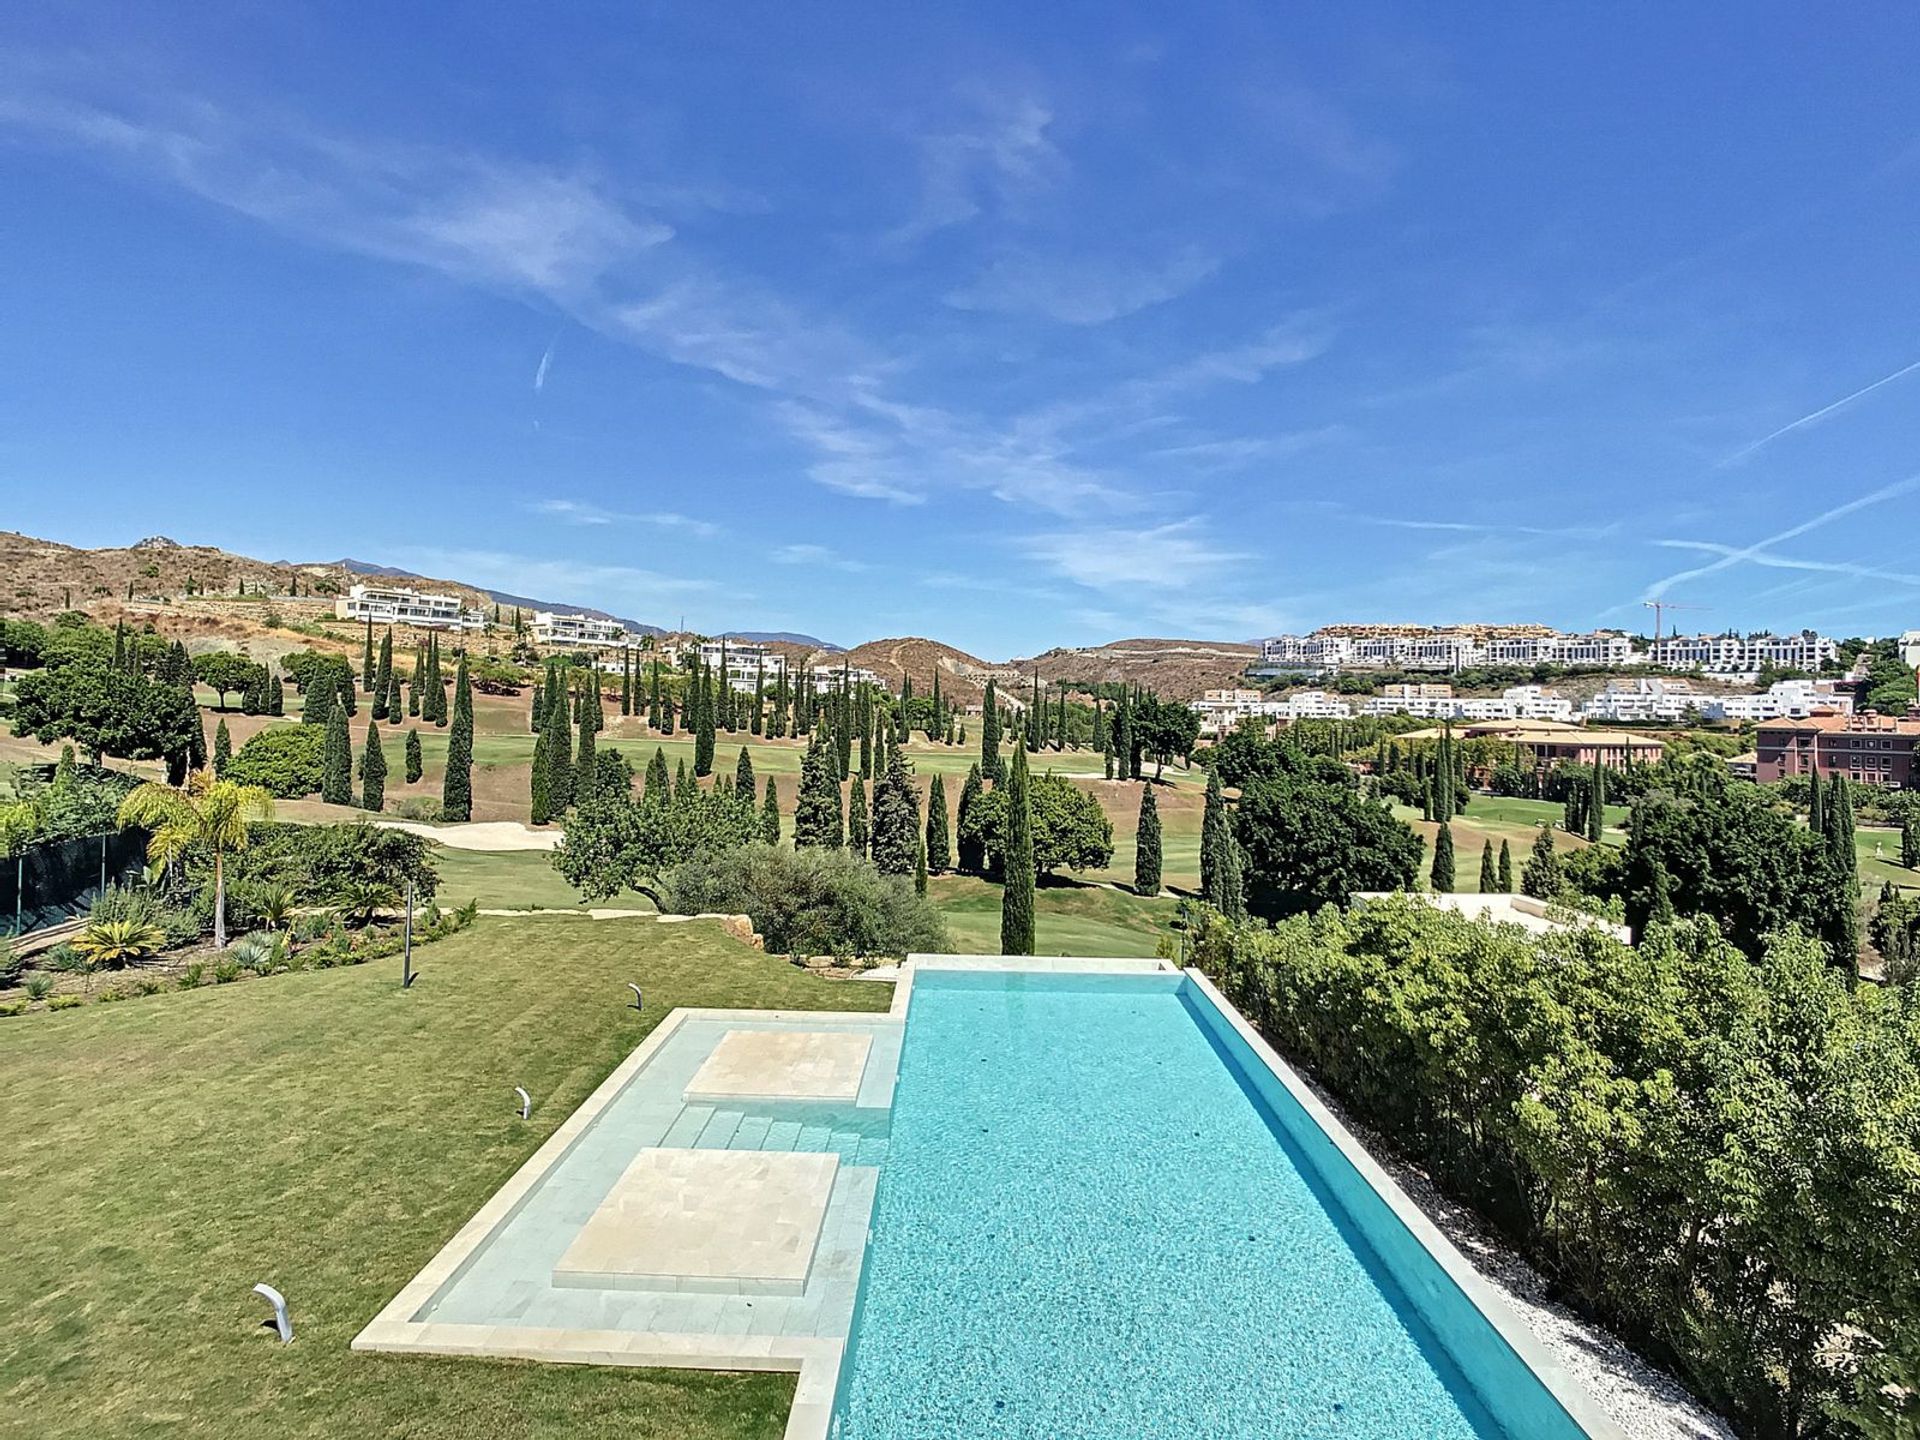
pixel 1096 1218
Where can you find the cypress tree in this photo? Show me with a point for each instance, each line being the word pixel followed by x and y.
pixel 743 773
pixel 653 698
pixel 1016 896
pixel 585 758
pixel 1540 877
pixel 1216 832
pixel 969 857
pixel 316 704
pixel 896 821
pixel 396 704
pixel 559 734
pixel 1123 740
pixel 456 793
pixel 1489 879
pixel 770 815
pixel 990 734
pixel 336 767
pixel 373 770
pixel 1233 899
pixel 1442 874
pixel 683 785
pixel 368 671
pixel 541 787
pixel 1504 877
pixel 939 845
pixel 657 789
pixel 919 865
pixel 415 766
pixel 1816 804
pixel 222 749
pixel 1597 803
pixel 857 816
pixel 755 720
pixel 346 697
pixel 703 738
pixel 866 736
pixel 1909 843
pixel 1146 846
pixel 626 681
pixel 276 697
pixel 1846 869
pixel 413 692
pixel 816 817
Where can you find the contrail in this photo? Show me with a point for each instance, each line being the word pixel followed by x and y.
pixel 1733 556
pixel 546 364
pixel 1817 416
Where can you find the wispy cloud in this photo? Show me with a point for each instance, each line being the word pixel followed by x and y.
pixel 1769 560
pixel 817 557
pixel 1175 556
pixel 998 152
pixel 1728 556
pixel 566 582
pixel 1470 527
pixel 585 512
pixel 1815 417
pixel 546 364
pixel 1081 289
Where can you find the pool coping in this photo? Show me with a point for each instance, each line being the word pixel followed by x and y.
pixel 817 1360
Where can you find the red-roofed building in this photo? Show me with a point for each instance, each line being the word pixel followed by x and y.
pixel 1872 749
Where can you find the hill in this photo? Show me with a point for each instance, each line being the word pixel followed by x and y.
pixel 499 597
pixel 963 677
pixel 1175 669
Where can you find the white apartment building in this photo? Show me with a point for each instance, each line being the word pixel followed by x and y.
pixel 550 628
pixel 1311 705
pixel 1785 699
pixel 1221 710
pixel 747 663
pixel 1521 702
pixel 1608 649
pixel 1744 654
pixel 1447 650
pixel 399 605
pixel 827 677
pixel 1643 701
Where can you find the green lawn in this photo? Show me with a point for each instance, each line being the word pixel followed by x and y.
pixel 1068 919
pixel 512 880
pixel 327 1133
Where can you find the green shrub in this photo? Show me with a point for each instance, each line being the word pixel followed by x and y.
pixel 811 901
pixel 284 760
pixel 64 1002
pixel 138 905
pixel 190 978
pixel 38 987
pixel 111 994
pixel 149 985
pixel 13 1007
pixel 225 971
pixel 313 925
pixel 67 960
pixel 12 962
pixel 318 861
pixel 259 952
pixel 423 808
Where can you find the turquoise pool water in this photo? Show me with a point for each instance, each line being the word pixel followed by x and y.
pixel 1091 1222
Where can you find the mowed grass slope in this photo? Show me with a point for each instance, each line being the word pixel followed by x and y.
pixel 327 1133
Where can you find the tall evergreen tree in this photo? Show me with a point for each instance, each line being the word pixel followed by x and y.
pixel 770 815
pixel 1503 880
pixel 1123 740
pixel 939 843
pixel 1216 833
pixel 415 765
pixel 866 735
pixel 658 789
pixel 683 783
pixel 383 675
pixel 969 856
pixel 369 672
pixel 276 696
pixel 456 792
pixel 857 816
pixel 222 749
pixel 896 821
pixel 541 785
pixel 1845 937
pixel 816 817
pixel 626 680
pixel 1016 896
pixel 1909 842
pixel 336 760
pixel 560 772
pixel 373 770
pixel 743 780
pixel 1597 803
pixel 990 765
pixel 703 737
pixel 1489 878
pixel 1146 846
pixel 1816 803
pixel 1442 873
pixel 316 700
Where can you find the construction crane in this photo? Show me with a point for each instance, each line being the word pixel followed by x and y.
pixel 1659 609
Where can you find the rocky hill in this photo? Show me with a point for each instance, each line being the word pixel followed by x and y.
pixel 1175 669
pixel 963 677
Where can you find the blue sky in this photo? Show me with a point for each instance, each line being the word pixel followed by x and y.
pixel 1015 325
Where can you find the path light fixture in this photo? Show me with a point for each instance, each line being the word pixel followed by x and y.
pixel 406 945
pixel 526 1102
pixel 636 994
pixel 279 1302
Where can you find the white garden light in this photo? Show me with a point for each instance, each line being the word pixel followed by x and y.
pixel 279 1302
pixel 526 1102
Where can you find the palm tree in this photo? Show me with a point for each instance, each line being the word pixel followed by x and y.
pixel 216 814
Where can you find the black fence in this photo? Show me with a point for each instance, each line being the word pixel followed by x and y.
pixel 53 882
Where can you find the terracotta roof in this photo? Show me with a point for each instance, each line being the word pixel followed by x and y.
pixel 1835 724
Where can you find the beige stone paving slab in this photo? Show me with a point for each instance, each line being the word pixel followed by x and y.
pixel 728 1221
pixel 783 1065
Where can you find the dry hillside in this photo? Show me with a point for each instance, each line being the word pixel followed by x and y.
pixel 963 677
pixel 1175 669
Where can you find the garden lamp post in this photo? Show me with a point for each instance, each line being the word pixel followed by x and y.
pixel 406 944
